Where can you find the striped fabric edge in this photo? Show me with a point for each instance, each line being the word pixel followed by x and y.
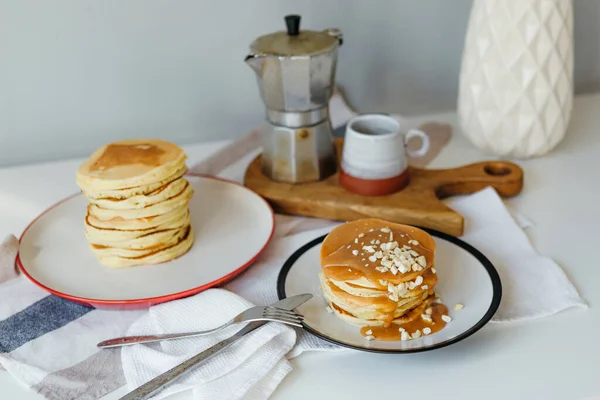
pixel 81 382
pixel 92 377
pixel 43 316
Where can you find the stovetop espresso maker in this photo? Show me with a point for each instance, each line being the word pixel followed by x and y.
pixel 295 71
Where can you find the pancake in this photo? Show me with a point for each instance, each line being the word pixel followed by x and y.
pixel 136 224
pixel 146 244
pixel 161 194
pixel 156 257
pixel 352 289
pixel 138 211
pixel 417 307
pixel 369 311
pixel 129 238
pixel 378 274
pixel 119 194
pixel 178 200
pixel 130 163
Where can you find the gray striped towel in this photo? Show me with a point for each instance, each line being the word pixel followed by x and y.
pixel 48 343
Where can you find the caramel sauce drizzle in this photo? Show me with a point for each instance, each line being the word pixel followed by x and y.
pixel 392 332
pixel 336 264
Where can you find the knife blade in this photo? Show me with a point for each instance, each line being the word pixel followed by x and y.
pixel 289 303
pixel 154 385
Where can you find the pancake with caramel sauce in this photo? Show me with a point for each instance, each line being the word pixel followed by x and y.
pixel 369 311
pixel 380 274
pixel 130 163
pixel 358 288
pixel 156 256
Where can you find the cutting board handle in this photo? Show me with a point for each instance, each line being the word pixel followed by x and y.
pixel 504 176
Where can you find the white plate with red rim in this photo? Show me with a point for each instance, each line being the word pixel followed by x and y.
pixel 232 226
pixel 465 276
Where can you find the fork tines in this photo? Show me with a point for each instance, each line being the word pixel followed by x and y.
pixel 285 316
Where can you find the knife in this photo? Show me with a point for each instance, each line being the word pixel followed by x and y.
pixel 154 385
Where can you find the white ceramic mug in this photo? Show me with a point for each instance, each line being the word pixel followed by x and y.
pixel 375 149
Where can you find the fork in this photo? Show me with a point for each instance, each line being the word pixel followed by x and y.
pixel 258 313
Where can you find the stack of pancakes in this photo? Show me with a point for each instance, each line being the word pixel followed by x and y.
pixel 380 276
pixel 138 212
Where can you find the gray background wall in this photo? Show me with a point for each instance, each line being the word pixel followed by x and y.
pixel 75 74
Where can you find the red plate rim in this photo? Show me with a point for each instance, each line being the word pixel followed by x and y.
pixel 146 302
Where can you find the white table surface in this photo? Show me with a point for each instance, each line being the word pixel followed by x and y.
pixel 556 357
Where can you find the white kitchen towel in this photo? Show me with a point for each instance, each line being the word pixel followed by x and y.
pixel 491 229
pixel 250 368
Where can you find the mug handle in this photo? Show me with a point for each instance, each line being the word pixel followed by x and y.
pixel 424 143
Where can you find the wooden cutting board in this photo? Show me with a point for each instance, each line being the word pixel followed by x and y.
pixel 418 204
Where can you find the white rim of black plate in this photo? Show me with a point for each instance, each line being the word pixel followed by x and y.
pixel 485 262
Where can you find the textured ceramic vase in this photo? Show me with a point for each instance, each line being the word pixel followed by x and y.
pixel 516 80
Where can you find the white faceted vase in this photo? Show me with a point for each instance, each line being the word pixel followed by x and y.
pixel 516 80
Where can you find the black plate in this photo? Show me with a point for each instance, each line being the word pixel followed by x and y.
pixel 487 264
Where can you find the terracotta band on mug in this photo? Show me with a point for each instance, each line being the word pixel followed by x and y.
pixel 373 187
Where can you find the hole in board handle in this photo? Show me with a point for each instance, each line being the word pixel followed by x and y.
pixel 497 169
